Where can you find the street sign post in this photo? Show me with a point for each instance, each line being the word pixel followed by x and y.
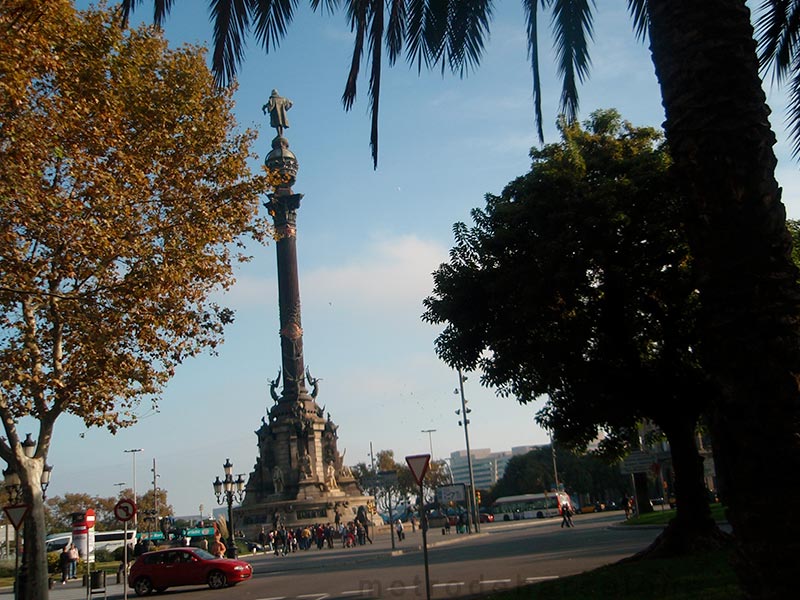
pixel 418 465
pixel 124 511
pixel 16 513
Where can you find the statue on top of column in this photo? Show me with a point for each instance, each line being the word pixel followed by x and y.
pixel 277 107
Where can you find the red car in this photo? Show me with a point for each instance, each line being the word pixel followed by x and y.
pixel 167 568
pixel 487 518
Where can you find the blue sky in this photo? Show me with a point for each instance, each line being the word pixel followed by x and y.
pixel 367 244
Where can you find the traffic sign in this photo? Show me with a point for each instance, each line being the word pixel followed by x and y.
pixel 637 461
pixel 16 514
pixel 418 464
pixel 124 510
pixel 451 493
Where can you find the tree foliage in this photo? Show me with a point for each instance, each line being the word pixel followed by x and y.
pixel 575 284
pixel 124 189
pixel 584 475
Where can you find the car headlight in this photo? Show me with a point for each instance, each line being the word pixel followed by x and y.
pixel 238 568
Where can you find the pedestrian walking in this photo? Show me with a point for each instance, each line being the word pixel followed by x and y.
pixel 400 532
pixel 566 516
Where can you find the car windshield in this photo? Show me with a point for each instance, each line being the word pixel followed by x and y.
pixel 203 554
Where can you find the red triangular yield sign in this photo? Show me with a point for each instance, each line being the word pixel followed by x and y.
pixel 419 466
pixel 16 514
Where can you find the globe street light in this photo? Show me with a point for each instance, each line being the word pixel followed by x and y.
pixel 229 490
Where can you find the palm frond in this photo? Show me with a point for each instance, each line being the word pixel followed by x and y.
pixel 531 8
pixel 468 28
pixel 376 50
pixel 793 111
pixel 271 19
pixel 437 17
pixel 231 23
pixel 357 15
pixel 572 25
pixel 415 32
pixel 329 5
pixel 777 30
pixel 161 9
pixel 641 18
pixel 396 29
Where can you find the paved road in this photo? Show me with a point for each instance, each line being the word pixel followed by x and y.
pixel 503 555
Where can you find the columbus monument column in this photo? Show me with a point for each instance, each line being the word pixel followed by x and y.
pixel 299 476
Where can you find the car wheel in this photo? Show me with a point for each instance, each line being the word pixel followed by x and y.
pixel 216 580
pixel 143 587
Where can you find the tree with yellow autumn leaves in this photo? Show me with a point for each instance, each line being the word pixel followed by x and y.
pixel 124 193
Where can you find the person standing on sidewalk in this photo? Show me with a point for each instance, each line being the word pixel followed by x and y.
pixel 63 562
pixel 73 561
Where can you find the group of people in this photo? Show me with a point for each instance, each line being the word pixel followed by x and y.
pixel 282 540
pixel 68 561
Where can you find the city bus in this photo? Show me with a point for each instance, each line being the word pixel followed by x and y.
pixel 103 540
pixel 530 506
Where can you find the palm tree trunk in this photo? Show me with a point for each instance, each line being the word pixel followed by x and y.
pixel 719 135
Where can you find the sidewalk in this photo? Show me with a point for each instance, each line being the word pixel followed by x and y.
pixel 74 590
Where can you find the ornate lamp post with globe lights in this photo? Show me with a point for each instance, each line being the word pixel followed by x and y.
pixel 229 490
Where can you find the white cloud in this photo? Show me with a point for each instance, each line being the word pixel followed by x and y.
pixel 389 273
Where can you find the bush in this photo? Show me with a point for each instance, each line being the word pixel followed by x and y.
pixel 54 562
pixel 7 568
pixel 104 555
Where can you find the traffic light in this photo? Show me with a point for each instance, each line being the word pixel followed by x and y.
pixel 478 496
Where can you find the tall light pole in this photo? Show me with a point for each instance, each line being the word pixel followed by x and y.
pixel 430 439
pixel 465 420
pixel 555 467
pixel 133 452
pixel 228 490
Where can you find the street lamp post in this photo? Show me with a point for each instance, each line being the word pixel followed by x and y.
pixel 430 439
pixel 229 490
pixel 133 452
pixel 464 412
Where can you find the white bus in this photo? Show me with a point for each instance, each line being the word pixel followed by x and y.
pixel 103 540
pixel 530 506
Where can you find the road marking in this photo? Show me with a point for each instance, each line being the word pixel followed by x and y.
pixel 274 598
pixel 437 585
pixel 402 587
pixel 493 581
pixel 533 579
pixel 356 592
pixel 315 596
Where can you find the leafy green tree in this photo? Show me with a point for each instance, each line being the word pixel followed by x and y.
pixel 576 284
pixel 584 475
pixel 123 187
pixel 718 130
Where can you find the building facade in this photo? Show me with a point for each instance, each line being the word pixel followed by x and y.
pixel 487 466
